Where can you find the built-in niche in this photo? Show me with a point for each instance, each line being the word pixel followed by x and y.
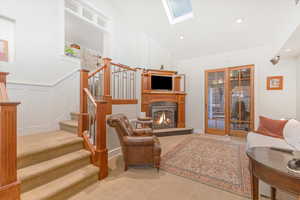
pixel 86 29
pixel 7 39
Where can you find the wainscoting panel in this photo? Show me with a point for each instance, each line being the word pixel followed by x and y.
pixel 43 106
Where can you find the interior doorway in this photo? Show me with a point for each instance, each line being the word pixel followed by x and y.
pixel 229 100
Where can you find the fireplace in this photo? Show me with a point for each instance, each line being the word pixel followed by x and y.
pixel 164 115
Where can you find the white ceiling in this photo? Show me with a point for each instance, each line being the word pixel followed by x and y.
pixel 292 47
pixel 213 29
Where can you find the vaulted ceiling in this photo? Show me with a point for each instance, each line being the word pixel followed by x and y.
pixel 214 29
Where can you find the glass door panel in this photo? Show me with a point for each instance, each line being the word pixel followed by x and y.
pixel 215 102
pixel 229 102
pixel 240 99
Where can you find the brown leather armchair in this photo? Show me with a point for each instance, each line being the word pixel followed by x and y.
pixel 139 146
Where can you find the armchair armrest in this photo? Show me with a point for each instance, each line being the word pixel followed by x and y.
pixel 143 132
pixel 138 141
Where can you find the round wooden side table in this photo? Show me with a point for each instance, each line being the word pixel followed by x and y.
pixel 270 166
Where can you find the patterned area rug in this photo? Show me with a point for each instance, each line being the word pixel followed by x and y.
pixel 215 162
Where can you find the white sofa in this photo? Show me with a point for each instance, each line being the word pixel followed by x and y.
pixel 291 141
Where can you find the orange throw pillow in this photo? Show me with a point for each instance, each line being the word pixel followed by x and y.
pixel 271 127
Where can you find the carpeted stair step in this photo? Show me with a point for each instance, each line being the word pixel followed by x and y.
pixel 69 126
pixel 74 116
pixel 44 172
pixel 33 149
pixel 65 186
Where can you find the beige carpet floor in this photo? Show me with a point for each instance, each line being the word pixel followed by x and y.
pixel 147 184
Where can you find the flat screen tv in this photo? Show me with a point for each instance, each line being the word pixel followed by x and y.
pixel 161 82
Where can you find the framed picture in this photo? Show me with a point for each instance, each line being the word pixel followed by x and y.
pixel 3 50
pixel 275 83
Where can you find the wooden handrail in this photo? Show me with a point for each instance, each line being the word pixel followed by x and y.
pixel 90 96
pixel 88 145
pixel 9 184
pixel 96 71
pixel 124 67
pixel 118 65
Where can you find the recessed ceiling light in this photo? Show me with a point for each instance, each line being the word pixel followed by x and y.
pixel 288 50
pixel 239 20
pixel 181 37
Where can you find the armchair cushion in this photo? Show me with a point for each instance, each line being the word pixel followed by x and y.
pixel 139 141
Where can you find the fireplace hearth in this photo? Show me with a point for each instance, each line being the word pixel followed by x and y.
pixel 164 115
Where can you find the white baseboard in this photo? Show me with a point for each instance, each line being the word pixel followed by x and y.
pixel 198 131
pixel 114 152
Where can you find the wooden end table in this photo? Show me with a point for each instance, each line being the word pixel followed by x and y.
pixel 270 166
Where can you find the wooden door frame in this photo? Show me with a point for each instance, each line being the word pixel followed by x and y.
pixel 211 130
pixel 227 86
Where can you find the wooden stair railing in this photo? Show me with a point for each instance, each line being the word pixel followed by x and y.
pixel 96 101
pixel 9 184
pixel 95 135
pixel 95 104
pixel 123 84
pixel 92 125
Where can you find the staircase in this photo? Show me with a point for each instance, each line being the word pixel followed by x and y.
pixel 70 125
pixel 54 165
pixel 57 165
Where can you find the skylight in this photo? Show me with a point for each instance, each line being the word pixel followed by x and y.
pixel 178 10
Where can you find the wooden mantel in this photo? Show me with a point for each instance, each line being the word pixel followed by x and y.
pixel 150 96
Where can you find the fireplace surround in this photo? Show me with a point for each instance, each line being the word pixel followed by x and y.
pixel 164 114
pixel 156 97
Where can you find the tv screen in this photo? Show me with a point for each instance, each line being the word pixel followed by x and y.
pixel 161 82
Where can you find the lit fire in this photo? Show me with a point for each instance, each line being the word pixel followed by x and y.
pixel 163 119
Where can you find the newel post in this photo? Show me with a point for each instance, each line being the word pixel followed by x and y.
pixel 107 83
pixel 83 118
pixel 9 184
pixel 101 147
pixel 3 76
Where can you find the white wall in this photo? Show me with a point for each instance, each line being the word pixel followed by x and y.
pixel 129 45
pixel 39 62
pixel 298 88
pixel 42 106
pixel 39 41
pixel 274 104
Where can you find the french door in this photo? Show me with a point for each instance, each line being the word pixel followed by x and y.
pixel 215 101
pixel 229 100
